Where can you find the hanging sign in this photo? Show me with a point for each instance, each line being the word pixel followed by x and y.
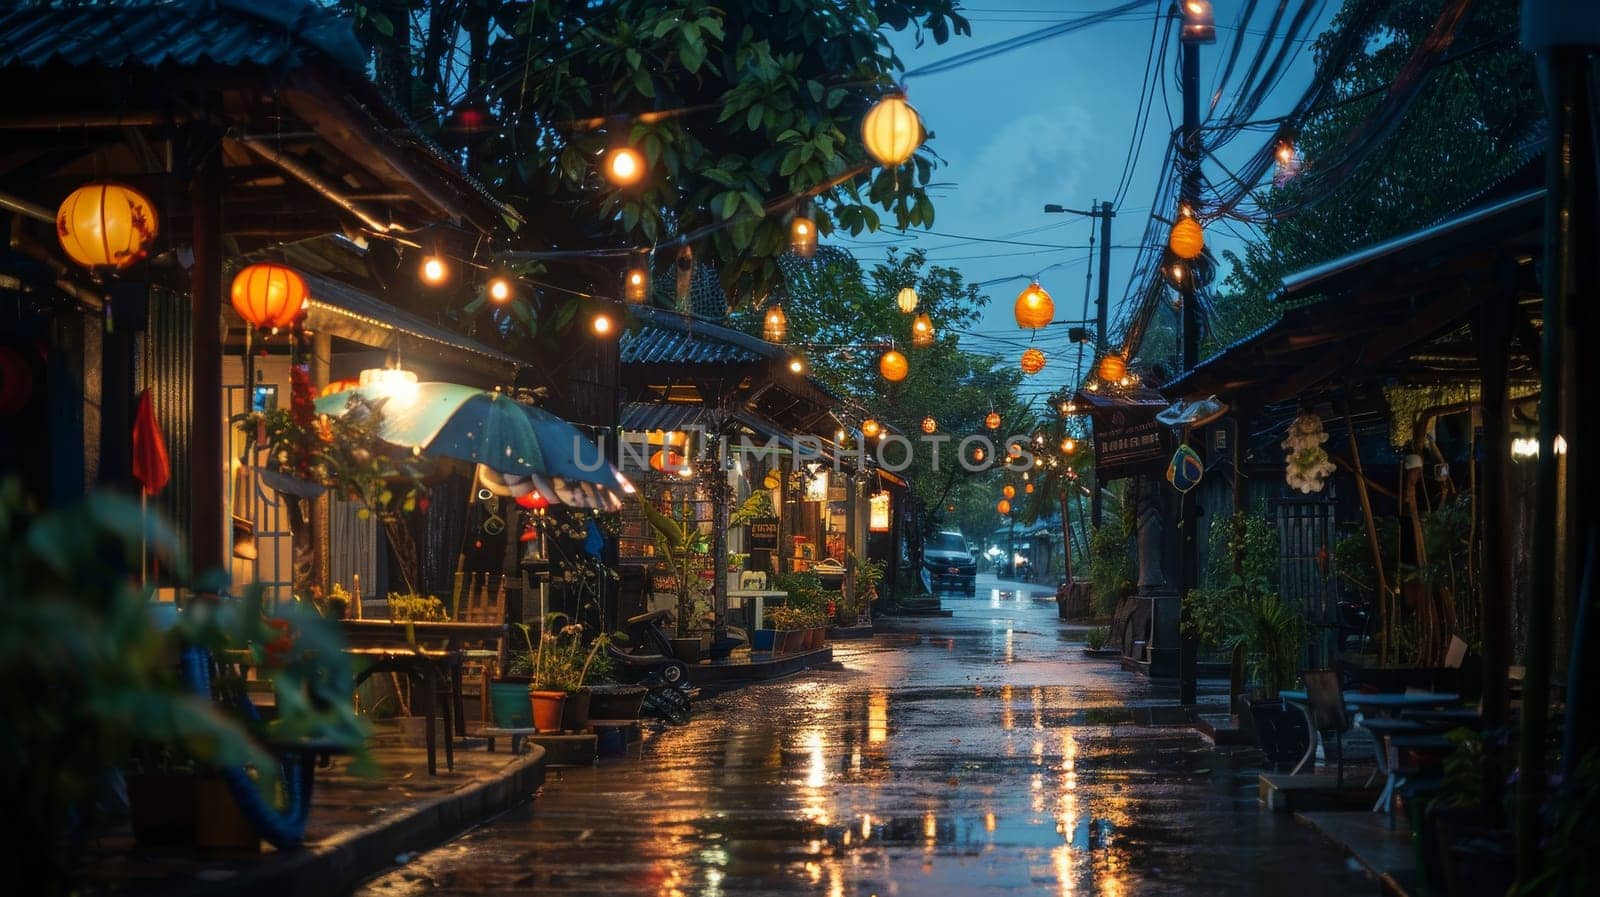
pixel 1186 469
pixel 764 534
pixel 1127 441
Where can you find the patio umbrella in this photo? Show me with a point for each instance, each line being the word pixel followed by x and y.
pixel 514 440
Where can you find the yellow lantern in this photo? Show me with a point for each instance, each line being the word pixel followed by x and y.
pixel 269 296
pixel 1009 491
pixel 893 366
pixel 1035 308
pixel 922 331
pixel 106 225
pixel 775 327
pixel 1004 507
pixel 1032 361
pixel 929 425
pixel 992 421
pixel 871 428
pixel 1187 240
pixel 906 299
pixel 803 236
pixel 1069 445
pixel 892 131
pixel 1113 368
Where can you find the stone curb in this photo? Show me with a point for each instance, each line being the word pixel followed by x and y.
pixel 335 866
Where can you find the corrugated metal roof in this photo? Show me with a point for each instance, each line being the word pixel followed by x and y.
pixel 187 33
pixel 656 345
pixel 382 320
pixel 648 417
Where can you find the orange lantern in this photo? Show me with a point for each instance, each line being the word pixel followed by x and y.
pixel 893 366
pixel 1028 488
pixel 1035 308
pixel 871 428
pixel 922 331
pixel 1032 361
pixel 992 421
pixel 106 225
pixel 929 425
pixel 892 131
pixel 636 284
pixel 1187 239
pixel 1069 445
pixel 1009 491
pixel 1014 450
pixel 269 296
pixel 1004 507
pixel 775 327
pixel 978 454
pixel 803 235
pixel 667 459
pixel 624 166
pixel 1113 368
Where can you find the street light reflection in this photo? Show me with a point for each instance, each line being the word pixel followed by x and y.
pixel 878 716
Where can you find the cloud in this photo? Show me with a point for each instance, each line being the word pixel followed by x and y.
pixel 1032 160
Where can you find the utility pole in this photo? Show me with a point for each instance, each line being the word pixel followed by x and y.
pixel 1199 27
pixel 1102 304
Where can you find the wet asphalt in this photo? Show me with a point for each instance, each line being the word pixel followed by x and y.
pixel 979 754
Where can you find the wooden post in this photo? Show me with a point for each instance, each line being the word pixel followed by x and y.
pixel 1494 620
pixel 321 506
pixel 1372 533
pixel 207 511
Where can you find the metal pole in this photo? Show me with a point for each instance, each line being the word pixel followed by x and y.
pixel 1188 549
pixel 207 457
pixel 1102 304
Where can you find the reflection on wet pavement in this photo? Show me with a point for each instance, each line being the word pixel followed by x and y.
pixel 988 756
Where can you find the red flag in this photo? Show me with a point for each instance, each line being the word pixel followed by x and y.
pixel 150 463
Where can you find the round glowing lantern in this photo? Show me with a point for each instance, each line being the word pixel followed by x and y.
pixel 871 428
pixel 992 420
pixel 1069 445
pixel 1187 240
pixel 1004 507
pixel 775 327
pixel 1034 308
pixel 922 331
pixel 929 425
pixel 906 299
pixel 106 225
pixel 1032 361
pixel 1014 450
pixel 666 459
pixel 269 296
pixel 624 166
pixel 893 366
pixel 1113 368
pixel 1028 488
pixel 978 454
pixel 1009 491
pixel 892 131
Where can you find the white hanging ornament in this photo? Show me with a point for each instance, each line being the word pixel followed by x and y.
pixel 1307 465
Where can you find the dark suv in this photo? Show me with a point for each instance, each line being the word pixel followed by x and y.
pixel 947 564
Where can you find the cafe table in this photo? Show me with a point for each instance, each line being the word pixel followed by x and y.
pixel 428 653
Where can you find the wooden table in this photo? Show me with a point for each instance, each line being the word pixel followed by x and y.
pixel 428 653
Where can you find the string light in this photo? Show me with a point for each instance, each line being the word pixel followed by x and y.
pixel 602 324
pixel 434 271
pixel 624 166
pixel 500 290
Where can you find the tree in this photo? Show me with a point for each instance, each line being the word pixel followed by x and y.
pixel 740 110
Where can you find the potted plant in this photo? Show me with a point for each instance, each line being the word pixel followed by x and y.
pixel 560 667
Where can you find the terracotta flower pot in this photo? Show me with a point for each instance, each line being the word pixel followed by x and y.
pixel 547 709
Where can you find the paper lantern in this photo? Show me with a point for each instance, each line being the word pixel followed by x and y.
pixel 667 460
pixel 929 425
pixel 803 236
pixel 1014 450
pixel 1032 361
pixel 1187 240
pixel 1069 445
pixel 978 454
pixel 1028 488
pixel 269 296
pixel 1113 368
pixel 775 327
pixel 892 131
pixel 992 420
pixel 1009 491
pixel 871 428
pixel 906 299
pixel 1004 507
pixel 922 331
pixel 893 366
pixel 1034 308
pixel 106 225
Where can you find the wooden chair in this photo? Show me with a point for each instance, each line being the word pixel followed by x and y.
pixel 1325 700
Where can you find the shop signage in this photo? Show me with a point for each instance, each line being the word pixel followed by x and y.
pixel 1127 442
pixel 764 534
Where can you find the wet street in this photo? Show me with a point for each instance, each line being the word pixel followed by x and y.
pixel 980 754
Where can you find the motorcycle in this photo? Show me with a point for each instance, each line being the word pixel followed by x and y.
pixel 650 663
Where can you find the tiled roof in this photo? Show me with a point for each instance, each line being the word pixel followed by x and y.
pixel 669 338
pixel 176 32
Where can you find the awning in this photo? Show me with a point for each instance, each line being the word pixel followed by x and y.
pixel 346 312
